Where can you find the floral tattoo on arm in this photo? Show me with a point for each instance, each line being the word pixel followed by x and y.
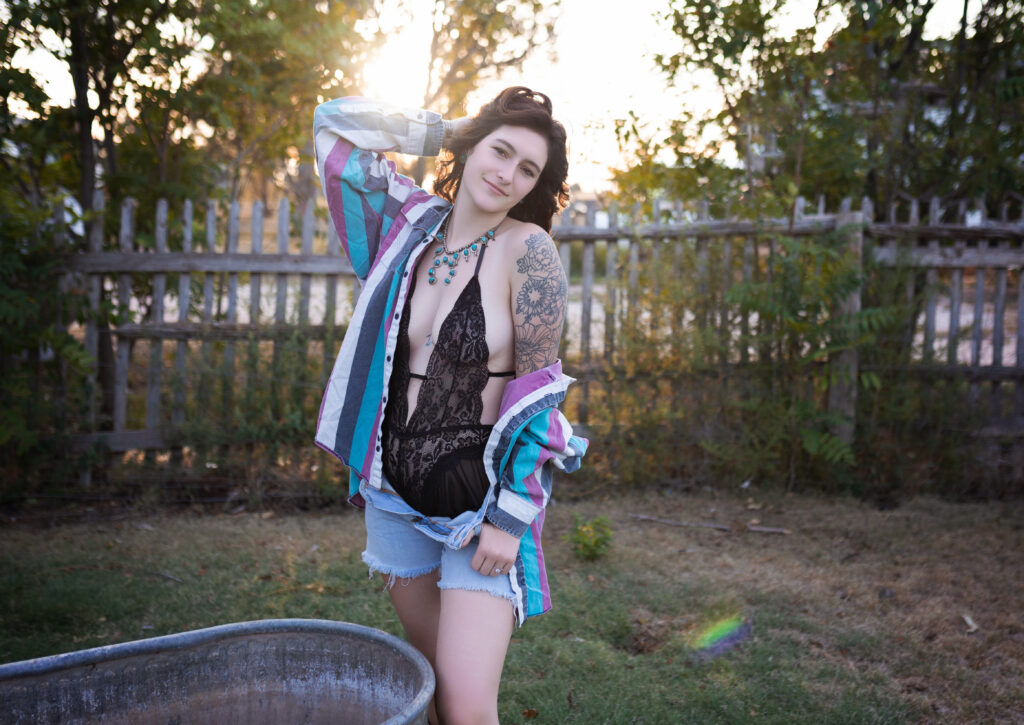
pixel 539 309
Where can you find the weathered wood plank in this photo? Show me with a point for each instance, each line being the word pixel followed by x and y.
pixel 154 382
pixel 227 379
pixel 184 301
pixel 95 296
pixel 213 331
pixel 931 284
pixel 125 240
pixel 114 262
pixel 1018 404
pixel 842 393
pixel 611 286
pixel 281 305
pixel 977 329
pixel 955 302
pixel 979 314
pixel 305 280
pixel 255 278
pixel 956 257
pixel 749 256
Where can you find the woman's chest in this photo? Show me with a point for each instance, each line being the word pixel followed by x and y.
pixel 468 319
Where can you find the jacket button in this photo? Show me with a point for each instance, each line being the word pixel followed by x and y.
pixel 378 449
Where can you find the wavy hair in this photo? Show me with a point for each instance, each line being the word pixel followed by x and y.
pixel 515 106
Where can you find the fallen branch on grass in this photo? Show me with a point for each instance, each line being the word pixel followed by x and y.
pixel 712 525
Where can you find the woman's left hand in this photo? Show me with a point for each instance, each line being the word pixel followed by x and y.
pixel 496 551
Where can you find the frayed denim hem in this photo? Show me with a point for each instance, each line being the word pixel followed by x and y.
pixel 376 567
pixel 510 597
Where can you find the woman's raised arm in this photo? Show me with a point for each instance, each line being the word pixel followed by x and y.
pixel 364 191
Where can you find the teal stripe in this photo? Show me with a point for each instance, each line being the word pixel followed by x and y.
pixel 528 552
pixel 355 224
pixel 362 437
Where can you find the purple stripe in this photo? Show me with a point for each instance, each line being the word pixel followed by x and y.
pixel 556 439
pixel 519 388
pixel 334 166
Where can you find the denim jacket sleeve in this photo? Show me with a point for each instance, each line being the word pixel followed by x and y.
pixel 364 191
pixel 530 440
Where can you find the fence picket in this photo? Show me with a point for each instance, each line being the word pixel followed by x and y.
pixel 931 283
pixel 92 346
pixel 156 347
pixel 280 307
pixel 704 243
pixel 228 362
pixel 124 294
pixel 184 302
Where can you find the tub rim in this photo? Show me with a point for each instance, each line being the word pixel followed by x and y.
pixel 181 640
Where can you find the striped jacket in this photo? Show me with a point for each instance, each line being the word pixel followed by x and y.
pixel 385 222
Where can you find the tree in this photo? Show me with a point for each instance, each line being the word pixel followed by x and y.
pixel 876 110
pixel 474 40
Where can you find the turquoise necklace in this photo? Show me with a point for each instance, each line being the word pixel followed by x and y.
pixel 443 256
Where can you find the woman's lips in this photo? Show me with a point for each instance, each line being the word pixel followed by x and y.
pixel 494 188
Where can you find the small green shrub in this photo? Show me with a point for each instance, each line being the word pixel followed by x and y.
pixel 590 539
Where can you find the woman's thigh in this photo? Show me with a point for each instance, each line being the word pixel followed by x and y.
pixel 472 640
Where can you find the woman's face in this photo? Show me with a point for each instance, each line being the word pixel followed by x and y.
pixel 503 168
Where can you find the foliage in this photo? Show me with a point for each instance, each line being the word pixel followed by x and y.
pixel 735 377
pixel 475 40
pixel 591 539
pixel 874 109
pixel 38 358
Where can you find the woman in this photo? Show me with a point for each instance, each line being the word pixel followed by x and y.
pixel 443 400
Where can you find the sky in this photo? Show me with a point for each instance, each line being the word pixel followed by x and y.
pixel 602 66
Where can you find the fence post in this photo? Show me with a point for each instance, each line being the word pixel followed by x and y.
pixel 842 392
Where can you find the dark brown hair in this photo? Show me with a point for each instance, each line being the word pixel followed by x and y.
pixel 516 106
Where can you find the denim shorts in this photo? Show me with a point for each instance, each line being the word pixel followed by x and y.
pixel 398 549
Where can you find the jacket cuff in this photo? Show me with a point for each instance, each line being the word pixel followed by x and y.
pixel 434 135
pixel 512 513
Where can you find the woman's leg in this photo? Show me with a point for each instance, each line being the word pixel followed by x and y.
pixel 472 639
pixel 418 604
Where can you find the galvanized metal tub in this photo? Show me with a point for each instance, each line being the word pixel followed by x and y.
pixel 250 673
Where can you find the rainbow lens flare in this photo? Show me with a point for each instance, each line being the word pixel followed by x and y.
pixel 721 636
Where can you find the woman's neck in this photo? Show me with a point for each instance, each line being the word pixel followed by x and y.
pixel 468 222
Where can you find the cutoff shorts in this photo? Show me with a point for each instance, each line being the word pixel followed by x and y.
pixel 397 549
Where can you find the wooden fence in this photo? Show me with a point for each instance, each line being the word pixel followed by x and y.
pixel 970 264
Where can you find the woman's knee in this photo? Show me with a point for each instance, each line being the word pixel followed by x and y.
pixel 462 706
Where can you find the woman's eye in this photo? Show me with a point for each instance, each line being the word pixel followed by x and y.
pixel 500 151
pixel 529 172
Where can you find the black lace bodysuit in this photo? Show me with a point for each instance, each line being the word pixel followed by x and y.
pixel 434 460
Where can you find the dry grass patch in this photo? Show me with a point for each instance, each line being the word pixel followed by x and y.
pixel 879 592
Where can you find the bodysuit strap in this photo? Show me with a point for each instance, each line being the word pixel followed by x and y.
pixel 479 259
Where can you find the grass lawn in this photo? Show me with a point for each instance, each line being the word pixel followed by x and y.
pixel 858 615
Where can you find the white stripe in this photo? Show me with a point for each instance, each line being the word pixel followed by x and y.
pixel 517 506
pixel 520 604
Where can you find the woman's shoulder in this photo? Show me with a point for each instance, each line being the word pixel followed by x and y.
pixel 525 238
